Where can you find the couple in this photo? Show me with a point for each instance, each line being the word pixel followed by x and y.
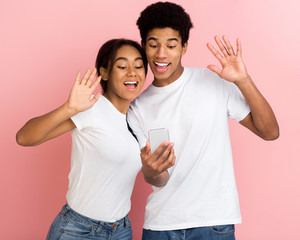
pixel 194 194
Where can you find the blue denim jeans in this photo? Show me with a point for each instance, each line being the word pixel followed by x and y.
pixel 70 225
pixel 222 232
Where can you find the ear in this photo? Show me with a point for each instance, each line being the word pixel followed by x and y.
pixel 184 48
pixel 103 74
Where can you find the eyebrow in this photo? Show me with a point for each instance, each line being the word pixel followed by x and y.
pixel 156 39
pixel 123 58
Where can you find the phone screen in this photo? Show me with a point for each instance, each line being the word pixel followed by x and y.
pixel 157 137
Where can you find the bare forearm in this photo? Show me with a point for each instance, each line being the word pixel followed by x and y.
pixel 57 122
pixel 261 112
pixel 159 180
pixel 37 129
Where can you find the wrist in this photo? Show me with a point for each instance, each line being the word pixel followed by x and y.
pixel 158 180
pixel 151 175
pixel 147 174
pixel 69 110
pixel 242 82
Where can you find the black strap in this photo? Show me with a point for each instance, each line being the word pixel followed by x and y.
pixel 130 130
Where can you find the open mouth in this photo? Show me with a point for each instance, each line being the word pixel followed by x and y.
pixel 131 85
pixel 161 67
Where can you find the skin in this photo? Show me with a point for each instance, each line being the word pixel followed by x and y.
pixel 164 46
pixel 125 69
pixel 261 120
pixel 128 66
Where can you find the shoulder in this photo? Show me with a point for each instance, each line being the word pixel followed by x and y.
pixel 143 98
pixel 202 76
pixel 91 113
pixel 204 73
pixel 210 75
pixel 102 105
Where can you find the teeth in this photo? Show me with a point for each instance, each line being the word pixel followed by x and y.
pixel 130 83
pixel 161 64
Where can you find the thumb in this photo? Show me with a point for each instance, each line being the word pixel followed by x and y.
pixel 146 149
pixel 95 98
pixel 215 69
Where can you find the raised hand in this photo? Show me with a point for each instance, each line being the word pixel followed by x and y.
pixel 82 90
pixel 233 68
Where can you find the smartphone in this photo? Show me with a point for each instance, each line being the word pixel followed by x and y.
pixel 157 137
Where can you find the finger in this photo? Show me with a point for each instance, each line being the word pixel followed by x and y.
pixel 214 51
pixel 169 162
pixel 95 98
pixel 221 46
pixel 215 69
pixel 162 158
pixel 145 153
pixel 228 46
pixel 167 152
pixel 77 79
pixel 86 76
pixel 238 47
pixel 146 149
pixel 96 83
pixel 160 149
pixel 174 159
pixel 91 77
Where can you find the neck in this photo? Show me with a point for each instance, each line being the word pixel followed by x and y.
pixel 172 78
pixel 122 105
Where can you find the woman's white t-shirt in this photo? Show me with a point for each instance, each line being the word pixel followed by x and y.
pixel 104 163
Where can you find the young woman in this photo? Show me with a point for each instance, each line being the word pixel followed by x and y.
pixel 105 156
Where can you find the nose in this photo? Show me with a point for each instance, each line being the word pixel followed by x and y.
pixel 131 71
pixel 161 52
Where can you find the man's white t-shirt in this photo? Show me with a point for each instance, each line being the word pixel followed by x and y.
pixel 195 108
pixel 104 163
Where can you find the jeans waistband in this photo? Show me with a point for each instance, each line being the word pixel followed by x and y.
pixel 122 222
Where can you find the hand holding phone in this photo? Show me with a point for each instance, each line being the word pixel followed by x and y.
pixel 155 164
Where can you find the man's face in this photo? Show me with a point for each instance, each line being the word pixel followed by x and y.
pixel 164 51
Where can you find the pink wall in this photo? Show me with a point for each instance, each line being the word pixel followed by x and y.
pixel 44 43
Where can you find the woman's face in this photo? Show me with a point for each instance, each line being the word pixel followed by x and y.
pixel 127 76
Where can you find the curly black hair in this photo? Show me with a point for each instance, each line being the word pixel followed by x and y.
pixel 162 15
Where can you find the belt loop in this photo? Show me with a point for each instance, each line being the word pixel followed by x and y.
pixel 64 210
pixel 127 221
pixel 98 228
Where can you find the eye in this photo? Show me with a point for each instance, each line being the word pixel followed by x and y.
pixel 153 45
pixel 139 67
pixel 122 67
pixel 171 47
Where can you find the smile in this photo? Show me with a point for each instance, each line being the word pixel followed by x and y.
pixel 161 67
pixel 131 85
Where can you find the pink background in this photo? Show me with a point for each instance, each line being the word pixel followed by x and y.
pixel 44 43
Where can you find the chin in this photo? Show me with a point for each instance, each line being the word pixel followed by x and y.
pixel 159 77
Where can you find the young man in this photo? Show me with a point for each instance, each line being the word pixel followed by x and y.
pixel 194 197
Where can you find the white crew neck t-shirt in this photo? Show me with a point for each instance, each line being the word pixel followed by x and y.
pixel 104 163
pixel 195 108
